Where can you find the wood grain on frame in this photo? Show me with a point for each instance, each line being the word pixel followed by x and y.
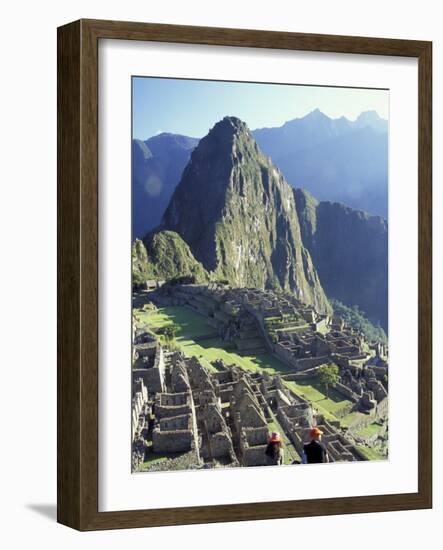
pixel 77 319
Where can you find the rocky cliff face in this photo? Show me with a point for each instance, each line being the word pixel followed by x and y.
pixel 350 252
pixel 237 214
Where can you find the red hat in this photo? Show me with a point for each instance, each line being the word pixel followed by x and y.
pixel 315 432
pixel 275 436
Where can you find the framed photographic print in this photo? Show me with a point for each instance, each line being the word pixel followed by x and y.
pixel 244 275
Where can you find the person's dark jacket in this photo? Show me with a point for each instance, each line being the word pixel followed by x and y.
pixel 315 452
pixel 274 452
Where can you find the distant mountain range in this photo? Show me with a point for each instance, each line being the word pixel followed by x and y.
pixel 335 159
pixel 234 216
pixel 157 165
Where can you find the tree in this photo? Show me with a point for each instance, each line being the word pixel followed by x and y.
pixel 328 376
pixel 169 333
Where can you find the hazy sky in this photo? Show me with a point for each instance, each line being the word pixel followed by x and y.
pixel 192 107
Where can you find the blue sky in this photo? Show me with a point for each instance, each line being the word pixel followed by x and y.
pixel 192 107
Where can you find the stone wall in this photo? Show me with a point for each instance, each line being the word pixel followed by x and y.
pixel 346 392
pixel 254 456
pixel 286 355
pixel 174 434
pixel 249 412
pixel 172 441
pixel 224 392
pixel 139 400
pixel 299 364
pixel 172 404
pixel 255 436
pixel 179 376
pixel 150 366
pixel 221 445
pixel 311 362
pixel 152 377
pixel 172 423
pixel 337 452
pixel 296 423
pixel 383 408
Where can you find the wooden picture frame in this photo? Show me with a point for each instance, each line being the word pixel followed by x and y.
pixel 77 479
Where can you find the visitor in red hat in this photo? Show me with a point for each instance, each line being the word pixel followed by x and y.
pixel 274 449
pixel 315 452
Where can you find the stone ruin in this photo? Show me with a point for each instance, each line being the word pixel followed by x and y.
pixel 225 415
pixel 140 415
pixel 257 320
pixel 221 417
pixel 149 364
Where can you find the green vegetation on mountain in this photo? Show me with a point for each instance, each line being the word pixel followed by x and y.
pixel 164 256
pixel 356 318
pixel 172 257
pixel 169 257
pixel 142 269
pixel 237 214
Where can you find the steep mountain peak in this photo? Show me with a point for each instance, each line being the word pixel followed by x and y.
pixel 227 130
pixel 237 214
pixel 228 142
pixel 372 120
pixel 314 117
pixel 369 115
pixel 316 113
pixel 230 122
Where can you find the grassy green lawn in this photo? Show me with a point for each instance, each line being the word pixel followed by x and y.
pixel 191 325
pixel 188 323
pixel 368 431
pixel 312 391
pixel 370 453
pixel 210 350
pixel 353 419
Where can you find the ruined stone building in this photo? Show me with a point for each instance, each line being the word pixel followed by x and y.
pixel 222 417
pixel 149 364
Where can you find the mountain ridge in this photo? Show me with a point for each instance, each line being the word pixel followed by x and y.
pixel 237 214
pixel 349 248
pixel 316 157
pixel 157 164
pixel 233 216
